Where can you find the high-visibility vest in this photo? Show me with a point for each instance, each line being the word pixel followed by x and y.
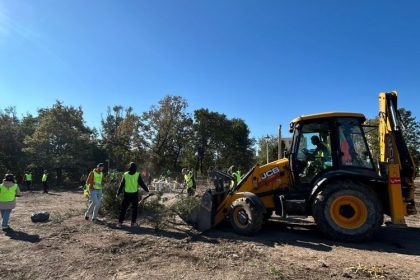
pixel 8 194
pixel 189 180
pixel 131 182
pixel 97 180
pixel 28 177
pixel 44 178
pixel 237 176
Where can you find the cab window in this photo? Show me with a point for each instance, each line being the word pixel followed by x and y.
pixel 353 146
pixel 314 151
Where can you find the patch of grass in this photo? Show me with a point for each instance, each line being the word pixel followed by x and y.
pixel 276 272
pixel 57 217
pixel 367 271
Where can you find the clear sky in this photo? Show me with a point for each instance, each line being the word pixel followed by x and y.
pixel 263 61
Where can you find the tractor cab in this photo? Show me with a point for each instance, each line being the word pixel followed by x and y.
pixel 327 143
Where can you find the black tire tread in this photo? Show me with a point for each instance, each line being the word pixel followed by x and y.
pixel 346 185
pixel 256 217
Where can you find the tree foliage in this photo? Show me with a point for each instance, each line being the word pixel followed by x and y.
pixel 411 134
pixel 60 142
pixel 167 131
pixel 164 138
pixel 121 137
pixel 271 142
pixel 220 142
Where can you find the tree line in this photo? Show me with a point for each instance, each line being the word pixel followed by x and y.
pixel 163 140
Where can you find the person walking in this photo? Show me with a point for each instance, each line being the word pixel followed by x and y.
pixel 8 192
pixel 94 182
pixel 27 178
pixel 189 181
pixel 130 187
pixel 44 181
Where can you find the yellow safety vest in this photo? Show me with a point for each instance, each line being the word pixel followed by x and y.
pixel 131 182
pixel 44 178
pixel 8 194
pixel 188 180
pixel 237 176
pixel 97 180
pixel 28 177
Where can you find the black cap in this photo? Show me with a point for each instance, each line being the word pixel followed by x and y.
pixel 132 166
pixel 100 165
pixel 9 178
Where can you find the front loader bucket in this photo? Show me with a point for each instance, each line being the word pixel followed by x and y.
pixel 201 217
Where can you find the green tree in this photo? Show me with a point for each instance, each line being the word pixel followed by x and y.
pixel 272 142
pixel 121 137
pixel 61 142
pixel 167 130
pixel 10 141
pixel 220 142
pixel 411 133
pixel 209 130
pixel 237 146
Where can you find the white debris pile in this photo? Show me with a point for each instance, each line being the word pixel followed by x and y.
pixel 165 186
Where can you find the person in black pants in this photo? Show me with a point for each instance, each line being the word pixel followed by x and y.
pixel 129 185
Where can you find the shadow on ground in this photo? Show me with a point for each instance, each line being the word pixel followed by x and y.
pixel 294 233
pixel 276 233
pixel 23 236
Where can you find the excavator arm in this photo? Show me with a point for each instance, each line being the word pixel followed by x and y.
pixel 395 160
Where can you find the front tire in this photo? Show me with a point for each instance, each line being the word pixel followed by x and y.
pixel 245 218
pixel 347 211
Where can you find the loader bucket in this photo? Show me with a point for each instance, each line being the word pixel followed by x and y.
pixel 201 217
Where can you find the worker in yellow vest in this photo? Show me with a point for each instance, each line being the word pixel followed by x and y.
pixel 189 181
pixel 8 192
pixel 130 187
pixel 44 181
pixel 237 176
pixel 27 178
pixel 94 182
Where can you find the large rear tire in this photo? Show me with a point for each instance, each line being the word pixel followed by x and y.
pixel 347 211
pixel 245 218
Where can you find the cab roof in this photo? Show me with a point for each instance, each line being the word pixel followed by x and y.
pixel 328 115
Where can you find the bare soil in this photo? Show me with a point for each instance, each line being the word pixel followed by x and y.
pixel 68 247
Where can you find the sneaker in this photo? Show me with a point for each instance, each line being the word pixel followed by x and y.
pixel 6 228
pixel 87 218
pixel 119 225
pixel 134 225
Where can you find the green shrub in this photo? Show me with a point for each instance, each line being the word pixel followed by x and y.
pixel 110 204
pixel 153 209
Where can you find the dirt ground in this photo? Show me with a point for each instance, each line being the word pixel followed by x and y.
pixel 68 247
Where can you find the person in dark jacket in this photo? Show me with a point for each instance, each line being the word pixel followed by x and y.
pixel 130 187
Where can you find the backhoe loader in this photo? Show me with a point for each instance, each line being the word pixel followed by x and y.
pixel 328 174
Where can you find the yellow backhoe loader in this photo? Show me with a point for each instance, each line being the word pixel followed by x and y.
pixel 328 173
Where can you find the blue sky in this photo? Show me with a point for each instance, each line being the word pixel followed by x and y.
pixel 263 61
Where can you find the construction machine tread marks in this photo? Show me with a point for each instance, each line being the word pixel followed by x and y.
pixel 348 211
pixel 245 216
